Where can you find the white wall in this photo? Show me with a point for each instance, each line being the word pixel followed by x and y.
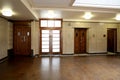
pixel 5 43
pixel 118 38
pixel 35 37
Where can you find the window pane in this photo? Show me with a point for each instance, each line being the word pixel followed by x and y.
pixel 45 42
pixel 50 23
pixel 56 35
pixel 57 23
pixel 56 50
pixel 45 46
pixel 45 50
pixel 43 23
pixel 45 35
pixel 45 39
pixel 56 46
pixel 45 31
pixel 55 31
pixel 56 39
pixel 54 43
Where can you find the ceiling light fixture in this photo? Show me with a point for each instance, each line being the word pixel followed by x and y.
pixel 51 14
pixel 117 16
pixel 88 15
pixel 7 12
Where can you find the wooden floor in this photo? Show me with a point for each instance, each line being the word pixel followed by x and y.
pixel 61 68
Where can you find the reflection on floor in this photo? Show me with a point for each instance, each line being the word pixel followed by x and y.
pixel 61 68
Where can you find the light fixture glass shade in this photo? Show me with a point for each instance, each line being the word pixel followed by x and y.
pixel 7 12
pixel 88 15
pixel 117 16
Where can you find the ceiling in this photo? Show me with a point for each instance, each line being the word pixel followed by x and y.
pixel 35 9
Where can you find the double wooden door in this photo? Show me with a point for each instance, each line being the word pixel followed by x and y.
pixel 112 40
pixel 80 40
pixel 22 40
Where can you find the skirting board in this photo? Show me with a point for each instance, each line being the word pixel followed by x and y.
pixel 3 59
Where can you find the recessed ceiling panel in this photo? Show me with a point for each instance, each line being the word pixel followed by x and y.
pixel 98 3
pixel 51 3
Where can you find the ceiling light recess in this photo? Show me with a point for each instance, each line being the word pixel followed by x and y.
pixel 7 12
pixel 117 16
pixel 88 15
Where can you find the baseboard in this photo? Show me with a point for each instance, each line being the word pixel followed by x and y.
pixel 101 53
pixel 3 59
pixel 67 54
pixel 11 53
pixel 118 53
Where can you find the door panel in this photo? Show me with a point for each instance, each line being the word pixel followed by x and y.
pixel 45 41
pixel 50 43
pixel 112 40
pixel 55 41
pixel 22 40
pixel 80 40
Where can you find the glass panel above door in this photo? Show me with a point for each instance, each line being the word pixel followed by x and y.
pixel 43 23
pixel 50 23
pixel 57 23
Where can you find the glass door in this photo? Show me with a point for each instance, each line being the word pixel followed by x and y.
pixel 55 41
pixel 45 41
pixel 50 37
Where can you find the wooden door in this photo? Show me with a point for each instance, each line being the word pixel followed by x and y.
pixel 112 40
pixel 80 40
pixel 22 40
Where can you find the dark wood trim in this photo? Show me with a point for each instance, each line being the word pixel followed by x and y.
pixel 22 23
pixel 98 53
pixel 51 19
pixel 67 54
pixel 21 20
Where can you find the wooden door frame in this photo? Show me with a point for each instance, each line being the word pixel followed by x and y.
pixel 75 37
pixel 21 24
pixel 51 28
pixel 14 27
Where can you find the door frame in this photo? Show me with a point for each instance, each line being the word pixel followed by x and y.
pixel 115 39
pixel 85 40
pixel 50 28
pixel 21 24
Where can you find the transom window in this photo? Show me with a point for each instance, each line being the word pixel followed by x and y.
pixel 50 23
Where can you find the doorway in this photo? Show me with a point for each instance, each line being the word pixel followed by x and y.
pixel 50 36
pixel 22 40
pixel 112 40
pixel 80 40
